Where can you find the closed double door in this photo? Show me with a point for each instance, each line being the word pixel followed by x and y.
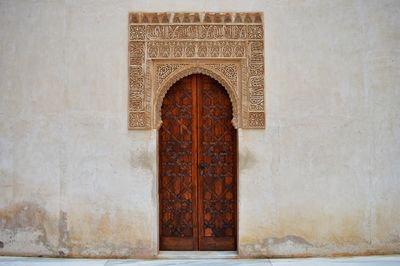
pixel 197 167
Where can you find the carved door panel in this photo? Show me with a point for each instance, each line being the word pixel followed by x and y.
pixel 178 169
pixel 197 167
pixel 217 164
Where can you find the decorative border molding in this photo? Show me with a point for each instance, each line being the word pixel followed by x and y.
pixel 165 47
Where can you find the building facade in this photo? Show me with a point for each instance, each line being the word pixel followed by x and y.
pixel 282 117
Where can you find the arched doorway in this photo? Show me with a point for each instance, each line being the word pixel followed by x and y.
pixel 197 167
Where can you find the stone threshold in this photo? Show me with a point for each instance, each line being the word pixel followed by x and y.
pixel 197 255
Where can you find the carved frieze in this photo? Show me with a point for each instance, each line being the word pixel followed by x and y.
pixel 193 49
pixel 164 47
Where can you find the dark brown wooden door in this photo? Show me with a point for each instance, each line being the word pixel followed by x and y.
pixel 197 167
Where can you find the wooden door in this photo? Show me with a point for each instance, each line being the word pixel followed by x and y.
pixel 197 167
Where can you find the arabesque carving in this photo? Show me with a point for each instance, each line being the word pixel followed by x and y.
pixel 165 47
pixel 183 70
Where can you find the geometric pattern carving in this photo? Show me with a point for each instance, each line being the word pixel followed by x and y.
pixel 165 47
pixel 176 163
pixel 217 138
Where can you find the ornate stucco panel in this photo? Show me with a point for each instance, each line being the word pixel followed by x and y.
pixel 167 72
pixel 164 47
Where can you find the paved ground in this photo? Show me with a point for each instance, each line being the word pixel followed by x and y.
pixel 352 261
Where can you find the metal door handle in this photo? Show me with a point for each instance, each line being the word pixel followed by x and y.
pixel 202 167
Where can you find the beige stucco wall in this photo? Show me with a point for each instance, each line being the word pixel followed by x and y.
pixel 323 178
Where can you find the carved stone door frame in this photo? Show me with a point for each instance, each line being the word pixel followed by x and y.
pixel 164 47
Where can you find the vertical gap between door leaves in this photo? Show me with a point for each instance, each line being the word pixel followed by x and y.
pixel 198 103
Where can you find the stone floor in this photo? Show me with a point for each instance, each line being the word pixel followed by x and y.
pixel 348 261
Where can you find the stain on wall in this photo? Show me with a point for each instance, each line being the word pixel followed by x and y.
pixel 247 159
pixel 141 159
pixel 111 234
pixel 26 227
pixel 31 224
pixel 63 239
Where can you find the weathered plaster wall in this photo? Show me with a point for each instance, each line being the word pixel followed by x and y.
pixel 322 179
